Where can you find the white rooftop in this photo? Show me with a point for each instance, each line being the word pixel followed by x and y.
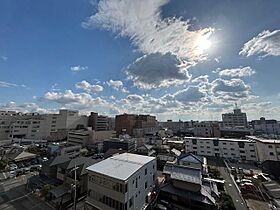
pixel 220 139
pixel 121 166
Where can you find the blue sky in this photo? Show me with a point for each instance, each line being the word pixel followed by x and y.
pixel 174 59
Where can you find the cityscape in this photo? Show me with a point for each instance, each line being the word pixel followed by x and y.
pixel 139 105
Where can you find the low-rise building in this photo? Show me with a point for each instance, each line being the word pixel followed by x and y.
pixel 267 149
pixel 121 182
pixel 243 149
pixel 185 187
pixel 263 126
pixel 128 145
pixel 87 136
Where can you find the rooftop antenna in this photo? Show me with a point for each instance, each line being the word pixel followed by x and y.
pixel 236 105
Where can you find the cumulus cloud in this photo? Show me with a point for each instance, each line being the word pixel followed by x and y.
pixel 117 85
pixel 190 95
pixel 134 98
pixel 201 79
pixel 157 70
pixel 78 68
pixel 237 72
pixel 68 97
pixel 89 87
pixel 25 107
pixel 155 36
pixel 265 43
pixel 230 90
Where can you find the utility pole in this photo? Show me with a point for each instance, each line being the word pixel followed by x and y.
pixel 75 186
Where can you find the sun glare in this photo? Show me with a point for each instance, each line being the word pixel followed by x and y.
pixel 202 44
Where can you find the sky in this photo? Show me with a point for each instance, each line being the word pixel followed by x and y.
pixel 187 60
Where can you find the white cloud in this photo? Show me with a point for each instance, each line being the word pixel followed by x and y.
pixel 190 95
pixel 4 58
pixel 157 70
pixel 134 98
pixel 264 44
pixel 4 84
pixel 78 68
pixel 155 36
pixel 89 87
pixel 70 98
pixel 25 107
pixel 230 90
pixel 142 22
pixel 117 85
pixel 237 72
pixel 201 79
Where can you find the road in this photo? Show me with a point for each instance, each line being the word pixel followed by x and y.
pixel 14 196
pixel 232 190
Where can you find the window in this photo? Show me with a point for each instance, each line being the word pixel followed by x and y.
pixel 130 201
pixel 146 171
pixel 146 185
pixel 270 146
pixel 271 153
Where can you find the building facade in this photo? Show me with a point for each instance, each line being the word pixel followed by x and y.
pixel 125 123
pixel 126 187
pixel 242 149
pixel 263 126
pixel 235 119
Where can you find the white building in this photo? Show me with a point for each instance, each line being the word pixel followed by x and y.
pixel 37 126
pixel 226 148
pixel 88 136
pixel 267 149
pixel 206 129
pixel 122 182
pixel 237 118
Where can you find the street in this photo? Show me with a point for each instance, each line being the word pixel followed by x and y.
pixel 232 190
pixel 13 195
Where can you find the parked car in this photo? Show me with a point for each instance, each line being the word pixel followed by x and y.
pixel 13 167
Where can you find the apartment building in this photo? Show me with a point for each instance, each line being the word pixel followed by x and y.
pixel 87 136
pixel 235 119
pixel 122 182
pixel 39 126
pixel 128 145
pixel 243 149
pixel 263 126
pixel 267 149
pixel 125 123
pixel 206 129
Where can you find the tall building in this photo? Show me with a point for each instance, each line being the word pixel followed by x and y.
pixel 125 123
pixel 235 119
pixel 122 182
pixel 99 122
pixel 39 126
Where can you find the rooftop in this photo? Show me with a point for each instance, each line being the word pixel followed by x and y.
pixel 121 166
pixel 185 174
pixel 220 139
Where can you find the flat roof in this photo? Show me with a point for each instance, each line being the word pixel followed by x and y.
pixel 269 141
pixel 220 139
pixel 121 166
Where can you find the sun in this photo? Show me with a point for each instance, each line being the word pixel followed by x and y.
pixel 202 44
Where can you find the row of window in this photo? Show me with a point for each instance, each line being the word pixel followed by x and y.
pixel 107 183
pixel 108 200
